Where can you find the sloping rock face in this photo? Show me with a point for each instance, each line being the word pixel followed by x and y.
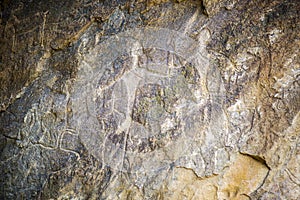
pixel 156 99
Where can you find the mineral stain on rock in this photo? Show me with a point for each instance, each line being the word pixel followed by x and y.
pixel 244 176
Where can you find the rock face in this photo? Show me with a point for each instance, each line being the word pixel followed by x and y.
pixel 150 99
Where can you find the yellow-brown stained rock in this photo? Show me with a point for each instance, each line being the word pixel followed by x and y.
pixel 186 185
pixel 243 177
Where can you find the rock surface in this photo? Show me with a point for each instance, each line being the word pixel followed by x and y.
pixel 156 99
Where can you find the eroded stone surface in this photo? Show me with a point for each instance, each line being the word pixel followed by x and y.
pixel 149 99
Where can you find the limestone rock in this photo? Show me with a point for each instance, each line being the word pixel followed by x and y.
pixel 149 99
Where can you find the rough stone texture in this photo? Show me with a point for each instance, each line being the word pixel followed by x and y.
pixel 156 99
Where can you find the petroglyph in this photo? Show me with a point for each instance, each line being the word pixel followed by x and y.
pixel 146 94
